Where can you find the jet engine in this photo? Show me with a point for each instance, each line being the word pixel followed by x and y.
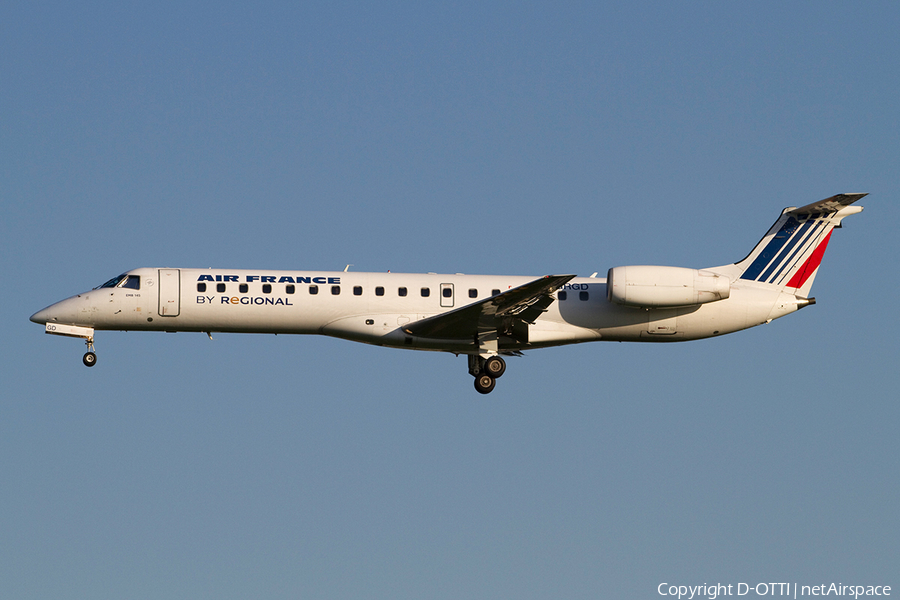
pixel 664 287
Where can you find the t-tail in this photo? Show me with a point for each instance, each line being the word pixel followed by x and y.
pixel 789 254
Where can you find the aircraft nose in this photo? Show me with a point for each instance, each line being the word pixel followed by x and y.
pixel 41 317
pixel 71 311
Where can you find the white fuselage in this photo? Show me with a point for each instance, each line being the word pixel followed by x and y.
pixel 374 307
pixel 482 316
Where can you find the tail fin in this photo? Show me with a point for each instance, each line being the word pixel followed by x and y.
pixel 789 255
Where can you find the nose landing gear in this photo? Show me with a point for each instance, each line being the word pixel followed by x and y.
pixel 90 357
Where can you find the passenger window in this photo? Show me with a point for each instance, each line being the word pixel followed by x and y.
pixel 220 287
pixel 313 289
pixel 243 288
pixel 267 288
pixel 289 288
pixel 447 292
pixel 401 291
pixel 582 295
pixel 473 293
pixel 357 290
pixel 201 287
pixel 495 292
pixel 562 295
pixel 426 292
pixel 379 291
pixel 133 282
pixel 335 290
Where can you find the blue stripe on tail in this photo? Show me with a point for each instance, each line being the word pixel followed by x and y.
pixel 771 249
pixel 801 247
pixel 785 251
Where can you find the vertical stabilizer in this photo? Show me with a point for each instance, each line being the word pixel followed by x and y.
pixel 789 254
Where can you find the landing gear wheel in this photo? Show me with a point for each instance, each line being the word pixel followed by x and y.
pixel 494 366
pixel 484 383
pixel 89 359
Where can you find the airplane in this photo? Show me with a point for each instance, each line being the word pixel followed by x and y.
pixel 484 317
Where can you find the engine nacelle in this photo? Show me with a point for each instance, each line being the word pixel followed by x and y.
pixel 664 287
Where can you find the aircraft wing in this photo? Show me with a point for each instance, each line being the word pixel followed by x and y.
pixel 524 303
pixel 828 205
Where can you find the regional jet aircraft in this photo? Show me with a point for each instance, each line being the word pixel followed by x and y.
pixel 485 317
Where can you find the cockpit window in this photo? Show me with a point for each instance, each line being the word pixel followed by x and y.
pixel 115 281
pixel 124 281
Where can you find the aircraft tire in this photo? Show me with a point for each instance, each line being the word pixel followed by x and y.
pixel 485 383
pixel 495 366
pixel 89 359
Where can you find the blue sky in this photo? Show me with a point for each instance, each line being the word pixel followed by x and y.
pixel 509 138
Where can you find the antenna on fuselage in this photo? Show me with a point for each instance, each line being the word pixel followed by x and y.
pixel 347 268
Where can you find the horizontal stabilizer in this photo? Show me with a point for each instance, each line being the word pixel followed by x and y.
pixel 828 205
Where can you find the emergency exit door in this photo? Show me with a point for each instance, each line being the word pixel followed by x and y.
pixel 169 292
pixel 447 295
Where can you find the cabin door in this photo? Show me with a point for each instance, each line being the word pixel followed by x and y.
pixel 169 292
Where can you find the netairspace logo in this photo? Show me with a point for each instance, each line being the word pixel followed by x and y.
pixel 794 590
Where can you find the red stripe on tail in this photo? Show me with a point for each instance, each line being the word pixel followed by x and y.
pixel 809 267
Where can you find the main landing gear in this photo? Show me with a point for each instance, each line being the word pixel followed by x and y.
pixel 90 357
pixel 486 371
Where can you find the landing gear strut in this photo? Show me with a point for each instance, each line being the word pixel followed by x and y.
pixel 486 371
pixel 90 357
